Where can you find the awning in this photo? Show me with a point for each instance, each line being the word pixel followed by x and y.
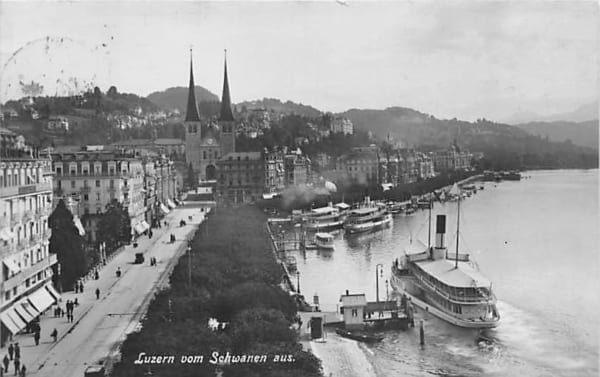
pixel 139 228
pixel 41 299
pixel 145 225
pixel 171 204
pixel 26 310
pixel 78 225
pixel 52 291
pixel 164 209
pixel 12 266
pixel 12 321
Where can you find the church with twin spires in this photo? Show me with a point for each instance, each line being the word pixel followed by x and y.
pixel 207 141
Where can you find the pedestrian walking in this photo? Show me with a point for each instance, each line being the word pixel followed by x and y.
pixel 62 312
pixel 96 275
pixel 76 287
pixel 97 293
pixel 5 361
pixel 81 287
pixel 23 371
pixel 36 337
pixel 76 302
pixel 118 272
pixel 17 365
pixel 17 351
pixel 11 351
pixel 54 334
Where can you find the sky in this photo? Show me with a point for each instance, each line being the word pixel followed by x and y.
pixel 463 59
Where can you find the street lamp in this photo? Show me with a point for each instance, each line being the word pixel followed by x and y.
pixel 377 278
pixel 298 277
pixel 387 293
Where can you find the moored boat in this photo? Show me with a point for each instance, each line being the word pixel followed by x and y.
pixel 447 286
pixel 324 218
pixel 366 219
pixel 324 241
pixel 360 336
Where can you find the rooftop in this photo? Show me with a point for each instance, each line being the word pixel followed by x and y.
pixel 465 276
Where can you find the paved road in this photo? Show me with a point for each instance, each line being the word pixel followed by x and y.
pixel 103 326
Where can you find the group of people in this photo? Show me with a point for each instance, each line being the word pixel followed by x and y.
pixel 152 261
pixel 70 306
pixel 79 286
pixel 14 355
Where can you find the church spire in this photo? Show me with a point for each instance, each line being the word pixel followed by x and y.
pixel 191 114
pixel 226 113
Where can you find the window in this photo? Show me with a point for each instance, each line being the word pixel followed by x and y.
pixel 98 196
pixel 86 197
pixel 354 312
pixel 204 155
pixel 58 170
pixel 97 183
pixel 112 183
pixel 72 184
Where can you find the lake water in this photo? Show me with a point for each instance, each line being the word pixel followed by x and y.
pixel 536 240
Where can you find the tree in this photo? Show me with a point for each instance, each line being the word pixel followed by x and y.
pixel 115 226
pixel 68 246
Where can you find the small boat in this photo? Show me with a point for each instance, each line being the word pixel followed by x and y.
pixel 394 207
pixel 290 262
pixel 324 240
pixel 360 336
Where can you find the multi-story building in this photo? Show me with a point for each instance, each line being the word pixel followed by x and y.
pixel 25 203
pixel 241 177
pixel 342 125
pixel 361 165
pixel 93 177
pixel 274 176
pixel 297 168
pixel 452 158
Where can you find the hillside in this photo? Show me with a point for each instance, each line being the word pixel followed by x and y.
pixel 505 147
pixel 582 133
pixel 277 106
pixel 176 98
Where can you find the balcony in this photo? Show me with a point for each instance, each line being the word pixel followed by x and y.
pixel 10 191
pixel 28 215
pixel 20 277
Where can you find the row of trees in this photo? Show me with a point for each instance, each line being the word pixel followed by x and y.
pixel 70 248
pixel 234 279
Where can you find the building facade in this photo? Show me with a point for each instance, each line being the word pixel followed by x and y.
pixel 93 178
pixel 452 158
pixel 297 168
pixel 342 125
pixel 207 141
pixel 241 177
pixel 25 203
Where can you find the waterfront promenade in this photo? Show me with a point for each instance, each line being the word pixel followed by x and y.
pixel 101 325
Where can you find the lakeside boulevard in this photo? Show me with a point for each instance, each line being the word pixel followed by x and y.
pixel 101 325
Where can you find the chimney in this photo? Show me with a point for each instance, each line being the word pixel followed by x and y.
pixel 347 292
pixel 440 232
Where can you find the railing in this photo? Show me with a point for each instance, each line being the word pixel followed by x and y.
pixel 448 296
pixel 25 189
pixel 22 275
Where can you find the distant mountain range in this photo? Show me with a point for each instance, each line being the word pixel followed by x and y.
pixel 588 111
pixel 579 133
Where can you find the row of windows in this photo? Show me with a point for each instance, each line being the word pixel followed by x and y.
pixel 19 177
